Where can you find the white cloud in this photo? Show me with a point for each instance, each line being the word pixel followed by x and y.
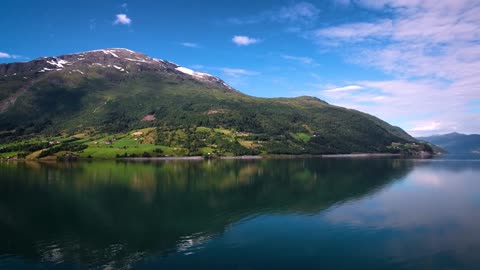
pixel 244 40
pixel 303 12
pixel 354 32
pixel 414 105
pixel 429 126
pixel 122 19
pixel 304 60
pixel 432 51
pixel 189 44
pixel 296 12
pixel 345 88
pixel 236 72
pixel 7 55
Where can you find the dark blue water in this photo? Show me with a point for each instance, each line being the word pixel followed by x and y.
pixel 258 214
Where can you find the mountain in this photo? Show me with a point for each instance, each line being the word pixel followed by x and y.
pixel 456 143
pixel 116 102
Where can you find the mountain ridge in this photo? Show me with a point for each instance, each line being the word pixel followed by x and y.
pixel 115 92
pixel 109 55
pixel 456 143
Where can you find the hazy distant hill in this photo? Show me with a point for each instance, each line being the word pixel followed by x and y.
pixel 456 143
pixel 105 95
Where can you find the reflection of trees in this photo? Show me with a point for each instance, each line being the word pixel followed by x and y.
pixel 88 209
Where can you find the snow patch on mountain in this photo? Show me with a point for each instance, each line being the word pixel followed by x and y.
pixel 45 69
pixel 58 62
pixel 119 68
pixel 123 60
pixel 136 60
pixel 110 52
pixel 192 73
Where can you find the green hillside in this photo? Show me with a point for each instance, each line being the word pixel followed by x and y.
pixel 94 106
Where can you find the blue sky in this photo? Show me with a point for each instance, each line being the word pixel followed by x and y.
pixel 413 63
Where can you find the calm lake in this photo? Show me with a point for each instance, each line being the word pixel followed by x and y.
pixel 241 214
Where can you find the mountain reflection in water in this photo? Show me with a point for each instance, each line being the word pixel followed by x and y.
pixel 123 214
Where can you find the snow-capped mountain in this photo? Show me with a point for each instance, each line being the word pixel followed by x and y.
pixel 116 59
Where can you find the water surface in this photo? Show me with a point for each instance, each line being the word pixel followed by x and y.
pixel 241 214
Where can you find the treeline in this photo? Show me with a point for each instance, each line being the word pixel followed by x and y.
pixel 192 141
pixel 73 147
pixel 25 147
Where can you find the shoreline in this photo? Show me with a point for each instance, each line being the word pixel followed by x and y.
pixel 188 158
pixel 197 158
pixel 152 158
pixel 362 155
pixel 247 157
pixel 356 155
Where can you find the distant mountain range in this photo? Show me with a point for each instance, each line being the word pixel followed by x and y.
pixel 117 102
pixel 456 143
